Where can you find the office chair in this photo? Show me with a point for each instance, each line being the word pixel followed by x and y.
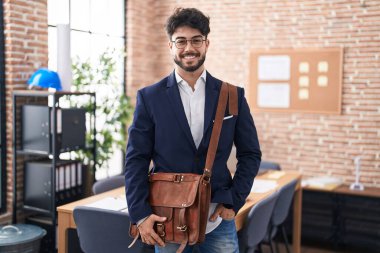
pixel 105 231
pixel 268 165
pixel 256 224
pixel 264 165
pixel 108 184
pixel 280 212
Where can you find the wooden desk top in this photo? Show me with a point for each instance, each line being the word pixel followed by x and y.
pixel 367 192
pixel 252 199
pixel 345 189
pixel 68 208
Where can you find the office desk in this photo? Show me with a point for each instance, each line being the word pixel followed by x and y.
pixel 341 218
pixel 66 219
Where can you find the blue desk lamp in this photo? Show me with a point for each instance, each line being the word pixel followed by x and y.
pixel 45 78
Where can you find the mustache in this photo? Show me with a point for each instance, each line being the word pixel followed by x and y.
pixel 190 54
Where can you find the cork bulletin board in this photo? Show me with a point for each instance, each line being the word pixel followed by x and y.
pixel 296 80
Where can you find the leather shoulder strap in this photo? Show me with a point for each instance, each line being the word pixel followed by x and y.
pixel 232 100
pixel 227 92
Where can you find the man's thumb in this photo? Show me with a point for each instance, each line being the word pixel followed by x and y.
pixel 159 218
pixel 214 215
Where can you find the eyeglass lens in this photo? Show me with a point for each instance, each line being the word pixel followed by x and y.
pixel 195 42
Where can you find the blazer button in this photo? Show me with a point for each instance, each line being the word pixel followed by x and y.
pixel 196 159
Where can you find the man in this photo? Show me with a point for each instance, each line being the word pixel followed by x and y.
pixel 172 126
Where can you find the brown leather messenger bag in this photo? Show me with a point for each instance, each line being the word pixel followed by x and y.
pixel 184 198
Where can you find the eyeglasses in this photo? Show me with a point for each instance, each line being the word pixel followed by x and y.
pixel 181 43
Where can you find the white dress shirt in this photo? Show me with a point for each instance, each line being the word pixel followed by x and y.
pixel 194 106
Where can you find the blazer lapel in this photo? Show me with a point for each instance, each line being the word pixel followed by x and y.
pixel 212 95
pixel 175 99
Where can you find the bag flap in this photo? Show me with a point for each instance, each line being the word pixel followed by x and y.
pixel 173 190
pixel 163 212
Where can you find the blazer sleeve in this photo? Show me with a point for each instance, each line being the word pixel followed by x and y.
pixel 138 157
pixel 248 154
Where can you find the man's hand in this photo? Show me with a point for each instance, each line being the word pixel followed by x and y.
pixel 223 212
pixel 148 235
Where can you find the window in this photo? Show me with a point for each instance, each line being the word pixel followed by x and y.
pixel 96 26
pixel 2 115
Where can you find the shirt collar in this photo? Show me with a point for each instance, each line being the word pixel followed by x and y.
pixel 179 79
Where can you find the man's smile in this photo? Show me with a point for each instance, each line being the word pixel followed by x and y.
pixel 190 56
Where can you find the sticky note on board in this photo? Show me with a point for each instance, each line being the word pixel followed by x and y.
pixel 303 94
pixel 322 81
pixel 323 66
pixel 303 81
pixel 303 67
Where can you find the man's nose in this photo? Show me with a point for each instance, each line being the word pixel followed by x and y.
pixel 189 45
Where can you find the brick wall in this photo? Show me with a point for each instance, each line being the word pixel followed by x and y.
pixel 311 143
pixel 314 144
pixel 26 49
pixel 142 44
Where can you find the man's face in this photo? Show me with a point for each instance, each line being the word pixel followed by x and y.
pixel 192 54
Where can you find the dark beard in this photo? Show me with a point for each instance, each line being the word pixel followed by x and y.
pixel 190 68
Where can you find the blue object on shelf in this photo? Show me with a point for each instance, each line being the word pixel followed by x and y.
pixel 45 78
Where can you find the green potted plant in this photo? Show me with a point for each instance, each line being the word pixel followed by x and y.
pixel 113 107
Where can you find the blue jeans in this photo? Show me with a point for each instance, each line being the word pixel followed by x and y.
pixel 222 239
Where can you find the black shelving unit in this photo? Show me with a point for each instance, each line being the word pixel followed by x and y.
pixel 46 126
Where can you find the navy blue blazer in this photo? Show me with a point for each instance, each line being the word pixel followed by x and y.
pixel 160 132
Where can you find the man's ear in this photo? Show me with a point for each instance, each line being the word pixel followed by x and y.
pixel 170 44
pixel 207 43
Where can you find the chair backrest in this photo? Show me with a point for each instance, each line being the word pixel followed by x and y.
pixel 268 165
pixel 101 231
pixel 264 165
pixel 108 184
pixel 284 200
pixel 256 224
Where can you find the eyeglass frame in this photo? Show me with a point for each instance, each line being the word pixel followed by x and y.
pixel 187 41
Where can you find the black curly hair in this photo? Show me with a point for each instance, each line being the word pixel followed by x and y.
pixel 191 17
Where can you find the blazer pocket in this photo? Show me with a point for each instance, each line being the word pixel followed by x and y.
pixel 228 117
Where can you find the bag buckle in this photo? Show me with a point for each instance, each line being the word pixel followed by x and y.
pixel 207 175
pixel 161 230
pixel 178 178
pixel 182 228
